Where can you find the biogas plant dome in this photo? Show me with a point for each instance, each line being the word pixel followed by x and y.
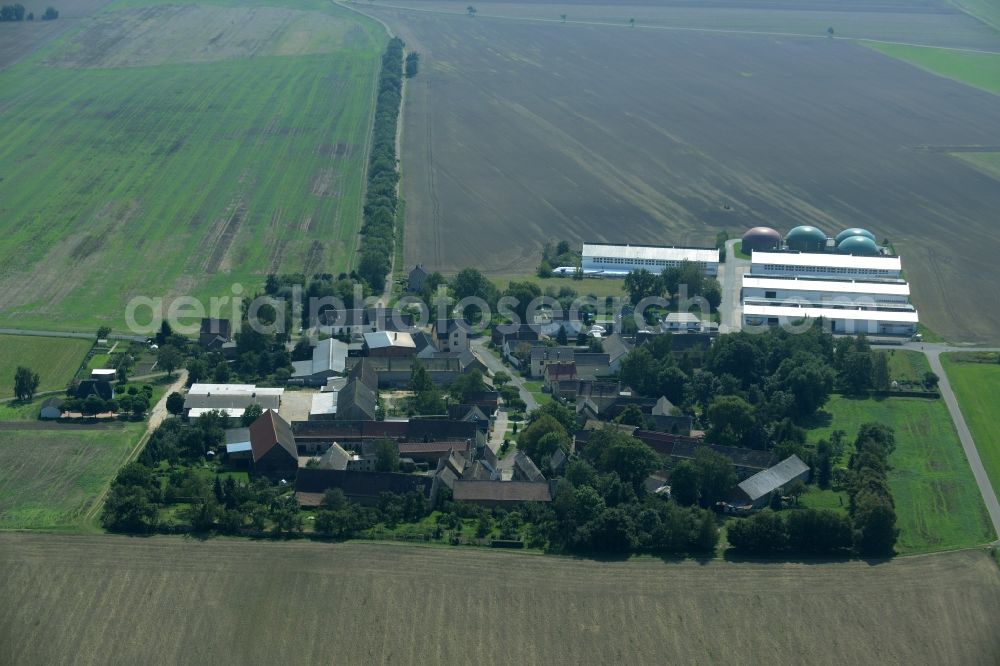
pixel 854 231
pixel 761 238
pixel 806 239
pixel 858 245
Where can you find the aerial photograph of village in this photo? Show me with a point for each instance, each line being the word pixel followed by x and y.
pixel 515 332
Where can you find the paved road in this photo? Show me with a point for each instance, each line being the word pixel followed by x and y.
pixel 933 352
pixel 495 365
pixel 731 277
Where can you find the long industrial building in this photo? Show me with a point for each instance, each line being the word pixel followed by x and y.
pixel 848 282
pixel 825 264
pixel 843 319
pixel 614 260
pixel 819 290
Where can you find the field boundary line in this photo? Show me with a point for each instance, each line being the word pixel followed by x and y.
pixel 670 28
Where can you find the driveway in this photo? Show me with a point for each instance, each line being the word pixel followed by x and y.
pixel 731 278
pixel 495 365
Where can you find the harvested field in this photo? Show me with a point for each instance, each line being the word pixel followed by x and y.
pixel 517 132
pixel 19 40
pixel 50 475
pixel 56 360
pixel 175 150
pixel 127 600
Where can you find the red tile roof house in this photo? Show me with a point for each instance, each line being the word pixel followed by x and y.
pixel 558 372
pixel 272 445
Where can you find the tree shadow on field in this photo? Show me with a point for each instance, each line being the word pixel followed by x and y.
pixel 791 558
pixel 821 419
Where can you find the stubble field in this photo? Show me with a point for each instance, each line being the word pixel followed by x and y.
pixel 517 132
pixel 176 149
pixel 173 601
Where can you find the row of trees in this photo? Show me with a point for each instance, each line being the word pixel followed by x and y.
pixel 642 284
pixel 135 401
pixel 381 198
pixel 16 12
pixel 560 254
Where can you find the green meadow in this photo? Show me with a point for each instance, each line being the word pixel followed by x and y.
pixel 56 360
pixel 167 150
pixel 977 385
pixel 938 505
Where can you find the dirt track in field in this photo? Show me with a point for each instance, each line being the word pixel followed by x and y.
pixel 517 133
pixel 164 600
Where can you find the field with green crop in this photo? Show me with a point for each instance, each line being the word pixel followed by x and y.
pixel 55 360
pixel 977 385
pixel 50 476
pixel 166 150
pixel 976 69
pixel 937 501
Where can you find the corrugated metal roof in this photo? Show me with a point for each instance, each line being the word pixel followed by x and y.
pixel 661 253
pixel 897 316
pixel 824 260
pixel 831 286
pixel 381 339
pixel 771 479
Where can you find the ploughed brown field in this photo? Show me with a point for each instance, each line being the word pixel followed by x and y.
pixel 518 131
pixel 164 600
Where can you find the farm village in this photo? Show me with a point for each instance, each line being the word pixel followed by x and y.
pixel 412 311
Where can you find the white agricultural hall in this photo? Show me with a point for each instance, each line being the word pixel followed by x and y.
pixel 815 290
pixel 615 260
pixel 870 321
pixel 825 264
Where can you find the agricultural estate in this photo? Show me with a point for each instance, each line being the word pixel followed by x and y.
pixel 175 149
pixel 129 600
pixel 728 130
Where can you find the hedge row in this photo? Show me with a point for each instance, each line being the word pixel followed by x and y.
pixel 381 200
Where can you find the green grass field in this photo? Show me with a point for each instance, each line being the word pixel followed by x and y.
pixel 49 478
pixel 55 360
pixel 600 288
pixel 977 385
pixel 937 502
pixel 535 389
pixel 907 366
pixel 166 150
pixel 981 70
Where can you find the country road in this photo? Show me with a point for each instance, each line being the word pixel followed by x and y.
pixel 478 346
pixel 89 335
